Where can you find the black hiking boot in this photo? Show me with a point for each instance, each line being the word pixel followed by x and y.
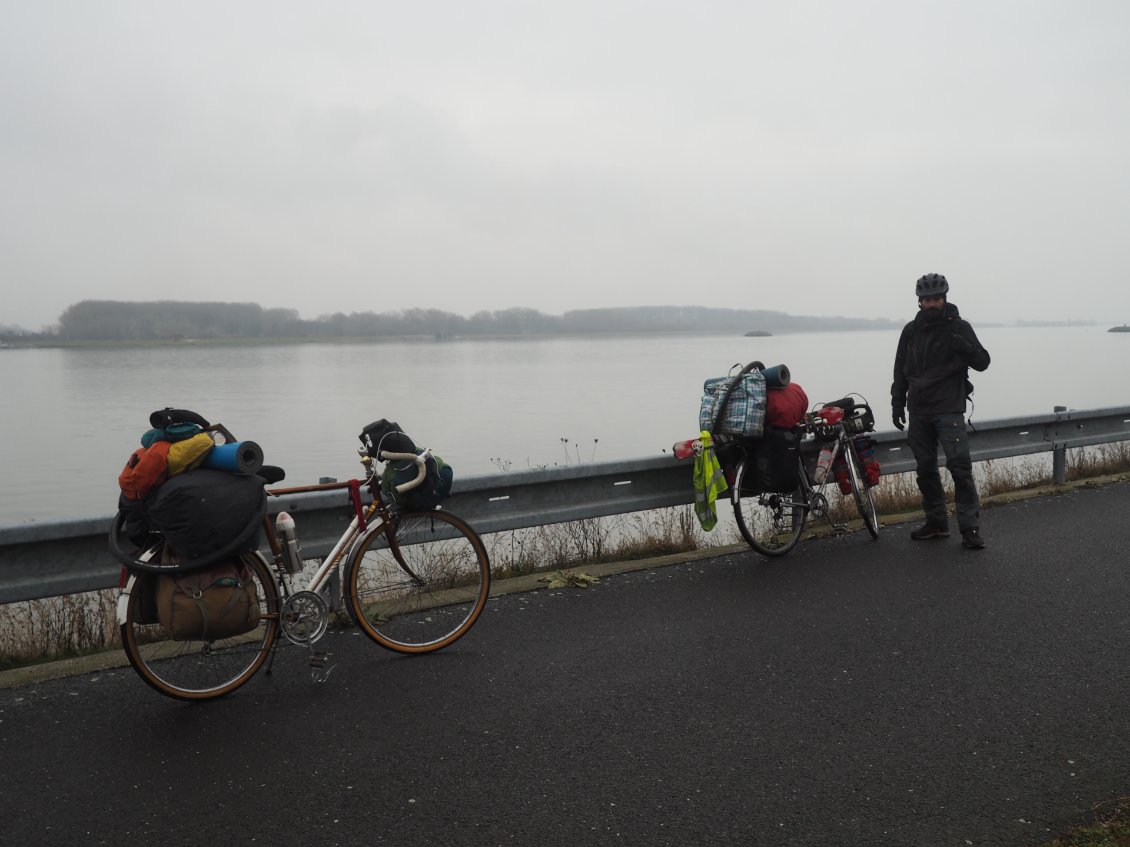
pixel 930 530
pixel 972 539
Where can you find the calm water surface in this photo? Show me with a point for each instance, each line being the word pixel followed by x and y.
pixel 70 418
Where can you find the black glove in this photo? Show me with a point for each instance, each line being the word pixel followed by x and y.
pixel 963 346
pixel 898 417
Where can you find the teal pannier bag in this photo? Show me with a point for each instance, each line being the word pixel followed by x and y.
pixel 740 411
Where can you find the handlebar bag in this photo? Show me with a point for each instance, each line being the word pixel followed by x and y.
pixel 435 488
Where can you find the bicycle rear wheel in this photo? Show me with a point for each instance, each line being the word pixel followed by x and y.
pixel 770 522
pixel 418 585
pixel 864 502
pixel 198 670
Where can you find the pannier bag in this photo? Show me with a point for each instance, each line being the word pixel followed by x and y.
pixel 205 514
pixel 841 474
pixel 865 449
pixel 435 488
pixel 738 412
pixel 209 603
pixel 145 587
pixel 775 464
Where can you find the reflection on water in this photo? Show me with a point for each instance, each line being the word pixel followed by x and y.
pixel 72 417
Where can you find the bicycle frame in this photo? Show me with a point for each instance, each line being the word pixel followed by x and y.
pixel 817 500
pixel 341 548
pixel 367 520
pixel 843 450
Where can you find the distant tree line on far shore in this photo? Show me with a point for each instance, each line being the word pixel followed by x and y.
pixel 170 320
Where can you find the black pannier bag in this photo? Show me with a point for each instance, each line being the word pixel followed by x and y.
pixel 775 466
pixel 205 515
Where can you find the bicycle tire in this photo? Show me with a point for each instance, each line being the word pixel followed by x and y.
pixel 199 670
pixel 771 523
pixel 864 502
pixel 419 585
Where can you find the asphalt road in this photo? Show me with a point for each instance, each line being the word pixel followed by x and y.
pixel 852 693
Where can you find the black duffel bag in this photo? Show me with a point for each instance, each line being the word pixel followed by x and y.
pixel 205 515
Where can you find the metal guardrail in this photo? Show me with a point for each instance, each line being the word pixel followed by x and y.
pixel 52 559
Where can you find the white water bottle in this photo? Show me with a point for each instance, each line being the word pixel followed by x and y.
pixel 284 527
pixel 823 465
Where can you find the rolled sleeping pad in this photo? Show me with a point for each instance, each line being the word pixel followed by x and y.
pixel 777 376
pixel 236 457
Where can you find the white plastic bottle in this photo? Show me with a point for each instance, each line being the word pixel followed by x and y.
pixel 823 465
pixel 284 527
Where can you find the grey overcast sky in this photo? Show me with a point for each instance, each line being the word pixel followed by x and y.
pixel 810 157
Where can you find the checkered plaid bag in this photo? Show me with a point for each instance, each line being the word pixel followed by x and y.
pixel 738 412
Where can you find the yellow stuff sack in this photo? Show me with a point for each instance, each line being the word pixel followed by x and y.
pixel 188 454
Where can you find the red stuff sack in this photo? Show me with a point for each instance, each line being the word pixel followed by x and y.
pixel 146 469
pixel 785 407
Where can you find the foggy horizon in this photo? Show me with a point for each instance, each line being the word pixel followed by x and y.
pixel 373 156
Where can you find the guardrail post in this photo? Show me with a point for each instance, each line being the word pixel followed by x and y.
pixel 1059 453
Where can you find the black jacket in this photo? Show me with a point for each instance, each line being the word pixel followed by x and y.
pixel 932 364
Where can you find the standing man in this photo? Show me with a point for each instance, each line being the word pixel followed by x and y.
pixel 935 352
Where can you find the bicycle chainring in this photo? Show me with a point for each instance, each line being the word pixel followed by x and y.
pixel 818 504
pixel 305 617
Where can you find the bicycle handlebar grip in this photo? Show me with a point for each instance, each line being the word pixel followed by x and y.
pixel 421 466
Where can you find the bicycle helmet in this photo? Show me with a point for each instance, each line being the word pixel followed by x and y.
pixel 931 285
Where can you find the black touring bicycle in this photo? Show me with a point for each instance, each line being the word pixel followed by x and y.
pixel 773 491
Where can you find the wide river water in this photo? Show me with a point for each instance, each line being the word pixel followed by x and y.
pixel 71 417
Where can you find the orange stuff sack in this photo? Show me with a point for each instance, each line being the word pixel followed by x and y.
pixel 146 469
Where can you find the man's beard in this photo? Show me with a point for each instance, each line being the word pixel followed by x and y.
pixel 932 315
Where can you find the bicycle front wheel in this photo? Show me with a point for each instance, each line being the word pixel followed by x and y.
pixel 864 502
pixel 770 522
pixel 420 584
pixel 198 670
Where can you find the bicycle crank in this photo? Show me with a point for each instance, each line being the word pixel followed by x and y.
pixel 818 504
pixel 305 617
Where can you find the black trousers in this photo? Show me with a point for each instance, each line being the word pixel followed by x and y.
pixel 924 435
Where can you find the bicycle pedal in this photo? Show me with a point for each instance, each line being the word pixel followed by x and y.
pixel 318 670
